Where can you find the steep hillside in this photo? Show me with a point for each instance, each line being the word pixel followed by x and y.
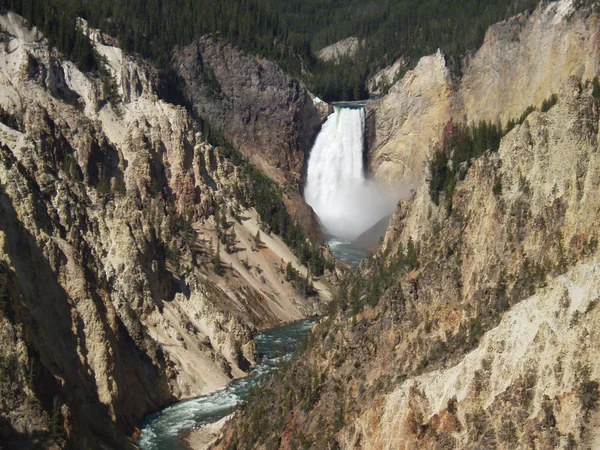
pixel 474 329
pixel 522 61
pixel 475 324
pixel 267 115
pixel 133 267
pixel 289 32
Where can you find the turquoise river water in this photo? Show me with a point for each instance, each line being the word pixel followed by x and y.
pixel 346 251
pixel 165 429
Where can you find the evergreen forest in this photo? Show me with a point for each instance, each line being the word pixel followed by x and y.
pixel 287 31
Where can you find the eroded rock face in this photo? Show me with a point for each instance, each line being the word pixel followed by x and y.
pixel 405 123
pixel 270 117
pixel 525 256
pixel 489 340
pixel 110 307
pixel 346 48
pixel 522 62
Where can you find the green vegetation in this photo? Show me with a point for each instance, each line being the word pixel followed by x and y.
pixel 388 30
pixel 303 285
pixel 513 123
pixel 289 32
pixel 266 196
pixel 181 225
pixel 216 261
pixel 356 292
pixel 596 88
pixel 587 390
pixel 549 103
pixel 57 430
pixel 460 145
pixel 56 19
pixel 4 299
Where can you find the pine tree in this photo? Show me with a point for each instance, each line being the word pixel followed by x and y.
pixel 257 241
pixel 289 272
pixel 412 255
pixel 216 260
pixel 3 289
pixel 56 422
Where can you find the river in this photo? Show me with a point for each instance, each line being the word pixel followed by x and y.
pixel 165 429
pixel 346 251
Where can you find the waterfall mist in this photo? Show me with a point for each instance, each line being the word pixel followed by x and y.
pixel 347 204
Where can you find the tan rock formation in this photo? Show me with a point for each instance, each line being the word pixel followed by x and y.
pixel 107 237
pixel 526 379
pixel 408 122
pixel 484 336
pixel 522 62
pixel 345 48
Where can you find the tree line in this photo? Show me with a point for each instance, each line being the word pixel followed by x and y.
pixel 289 32
pixel 462 143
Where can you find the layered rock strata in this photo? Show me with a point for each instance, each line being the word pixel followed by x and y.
pixel 472 327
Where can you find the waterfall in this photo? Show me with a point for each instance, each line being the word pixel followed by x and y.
pixel 347 204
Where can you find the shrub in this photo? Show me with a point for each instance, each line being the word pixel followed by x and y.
pixel 4 300
pixel 587 390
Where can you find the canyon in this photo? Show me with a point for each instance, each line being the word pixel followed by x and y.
pixel 146 239
pixel 473 326
pixel 113 209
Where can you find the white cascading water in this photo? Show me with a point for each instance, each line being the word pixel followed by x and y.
pixel 347 204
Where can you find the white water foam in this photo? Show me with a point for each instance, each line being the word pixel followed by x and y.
pixel 345 201
pixel 163 430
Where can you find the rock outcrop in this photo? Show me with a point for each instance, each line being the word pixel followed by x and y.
pixel 407 121
pixel 267 115
pixel 110 301
pixel 346 48
pixel 524 261
pixel 522 62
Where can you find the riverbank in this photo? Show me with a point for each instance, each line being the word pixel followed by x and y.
pixel 195 423
pixel 202 437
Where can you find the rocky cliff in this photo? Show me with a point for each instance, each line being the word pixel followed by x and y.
pixel 522 62
pixel 115 296
pixel 346 48
pixel 267 115
pixel 475 325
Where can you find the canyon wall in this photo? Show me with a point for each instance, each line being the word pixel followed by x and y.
pixel 271 118
pixel 111 301
pixel 474 326
pixel 471 328
pixel 522 61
